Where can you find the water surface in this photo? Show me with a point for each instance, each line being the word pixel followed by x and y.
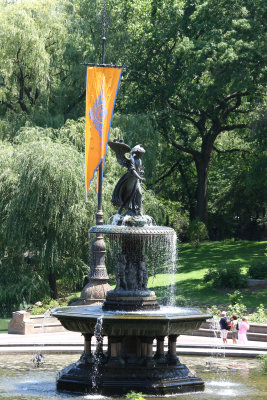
pixel 225 378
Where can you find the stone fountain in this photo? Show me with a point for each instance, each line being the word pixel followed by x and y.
pixel 136 327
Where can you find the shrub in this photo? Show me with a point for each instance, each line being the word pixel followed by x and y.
pixel 238 309
pixel 134 396
pixel 235 298
pixel 226 275
pixel 263 359
pixel 197 232
pixel 72 300
pixel 258 270
pixel 214 311
pixel 47 305
pixel 260 316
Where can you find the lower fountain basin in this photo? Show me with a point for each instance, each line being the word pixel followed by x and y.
pixel 130 362
pixel 165 321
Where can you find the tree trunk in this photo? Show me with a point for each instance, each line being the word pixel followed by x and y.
pixel 202 167
pixel 202 162
pixel 53 285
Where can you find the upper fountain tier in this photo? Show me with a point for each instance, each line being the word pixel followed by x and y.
pixel 137 249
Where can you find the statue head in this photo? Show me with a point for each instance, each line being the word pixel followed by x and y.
pixel 138 149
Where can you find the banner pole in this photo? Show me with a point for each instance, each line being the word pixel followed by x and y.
pixel 99 214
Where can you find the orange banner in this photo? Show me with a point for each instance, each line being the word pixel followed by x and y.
pixel 101 90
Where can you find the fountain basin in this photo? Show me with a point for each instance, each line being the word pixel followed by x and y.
pixel 130 362
pixel 166 321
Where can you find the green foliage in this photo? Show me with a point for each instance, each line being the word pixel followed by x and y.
pixel 263 359
pixel 72 300
pixel 175 216
pixel 260 316
pixel 238 309
pixel 214 311
pixel 30 53
pixel 235 297
pixel 226 275
pixel 197 232
pixel 4 325
pixel 132 395
pixel 20 282
pixel 258 270
pixel 45 220
pixel 48 304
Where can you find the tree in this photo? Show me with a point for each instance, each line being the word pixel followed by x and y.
pixel 41 50
pixel 200 68
pixel 30 45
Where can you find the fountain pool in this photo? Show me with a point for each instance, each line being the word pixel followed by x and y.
pixel 225 378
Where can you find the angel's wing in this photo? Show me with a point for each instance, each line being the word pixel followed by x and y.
pixel 120 149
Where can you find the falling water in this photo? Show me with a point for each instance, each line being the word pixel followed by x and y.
pixel 215 326
pixel 98 352
pixel 172 268
pixel 47 315
pixel 38 358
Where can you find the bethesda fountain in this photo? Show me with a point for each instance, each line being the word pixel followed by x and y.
pixel 136 327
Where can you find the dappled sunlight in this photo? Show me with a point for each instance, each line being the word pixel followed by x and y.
pixel 210 253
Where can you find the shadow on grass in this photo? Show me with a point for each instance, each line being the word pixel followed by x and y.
pixel 210 253
pixel 191 292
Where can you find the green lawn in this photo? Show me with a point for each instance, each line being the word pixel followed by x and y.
pixel 193 263
pixel 4 324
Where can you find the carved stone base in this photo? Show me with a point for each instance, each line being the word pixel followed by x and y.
pixel 118 302
pixel 93 293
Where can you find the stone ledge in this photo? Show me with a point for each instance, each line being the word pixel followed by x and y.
pixel 23 323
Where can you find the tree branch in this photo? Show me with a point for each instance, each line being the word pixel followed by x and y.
pixel 232 127
pixel 180 147
pixel 235 94
pixel 230 150
pixel 171 170
pixel 71 106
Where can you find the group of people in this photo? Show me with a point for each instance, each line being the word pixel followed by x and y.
pixel 238 329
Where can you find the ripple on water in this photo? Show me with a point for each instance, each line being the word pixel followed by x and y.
pixel 22 383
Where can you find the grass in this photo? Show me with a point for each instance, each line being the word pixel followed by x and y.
pixel 4 325
pixel 193 264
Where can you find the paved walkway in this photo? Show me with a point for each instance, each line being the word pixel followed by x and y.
pixel 72 342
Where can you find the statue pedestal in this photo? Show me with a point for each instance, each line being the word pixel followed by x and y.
pixel 96 289
pixel 130 300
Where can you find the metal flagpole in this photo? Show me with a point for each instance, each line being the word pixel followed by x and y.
pixel 97 287
pixel 99 214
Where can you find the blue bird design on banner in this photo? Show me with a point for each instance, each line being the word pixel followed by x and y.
pixel 98 112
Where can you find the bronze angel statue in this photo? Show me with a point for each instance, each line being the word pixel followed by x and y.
pixel 128 193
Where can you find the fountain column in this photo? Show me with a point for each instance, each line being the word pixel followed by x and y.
pixel 87 344
pixel 115 350
pixel 149 351
pixel 159 356
pixel 172 357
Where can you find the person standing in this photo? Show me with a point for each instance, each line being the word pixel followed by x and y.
pixel 223 326
pixel 234 328
pixel 243 327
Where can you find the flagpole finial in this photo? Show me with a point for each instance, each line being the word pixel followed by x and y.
pixel 105 24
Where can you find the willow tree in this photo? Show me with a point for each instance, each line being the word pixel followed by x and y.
pixel 43 234
pixel 46 217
